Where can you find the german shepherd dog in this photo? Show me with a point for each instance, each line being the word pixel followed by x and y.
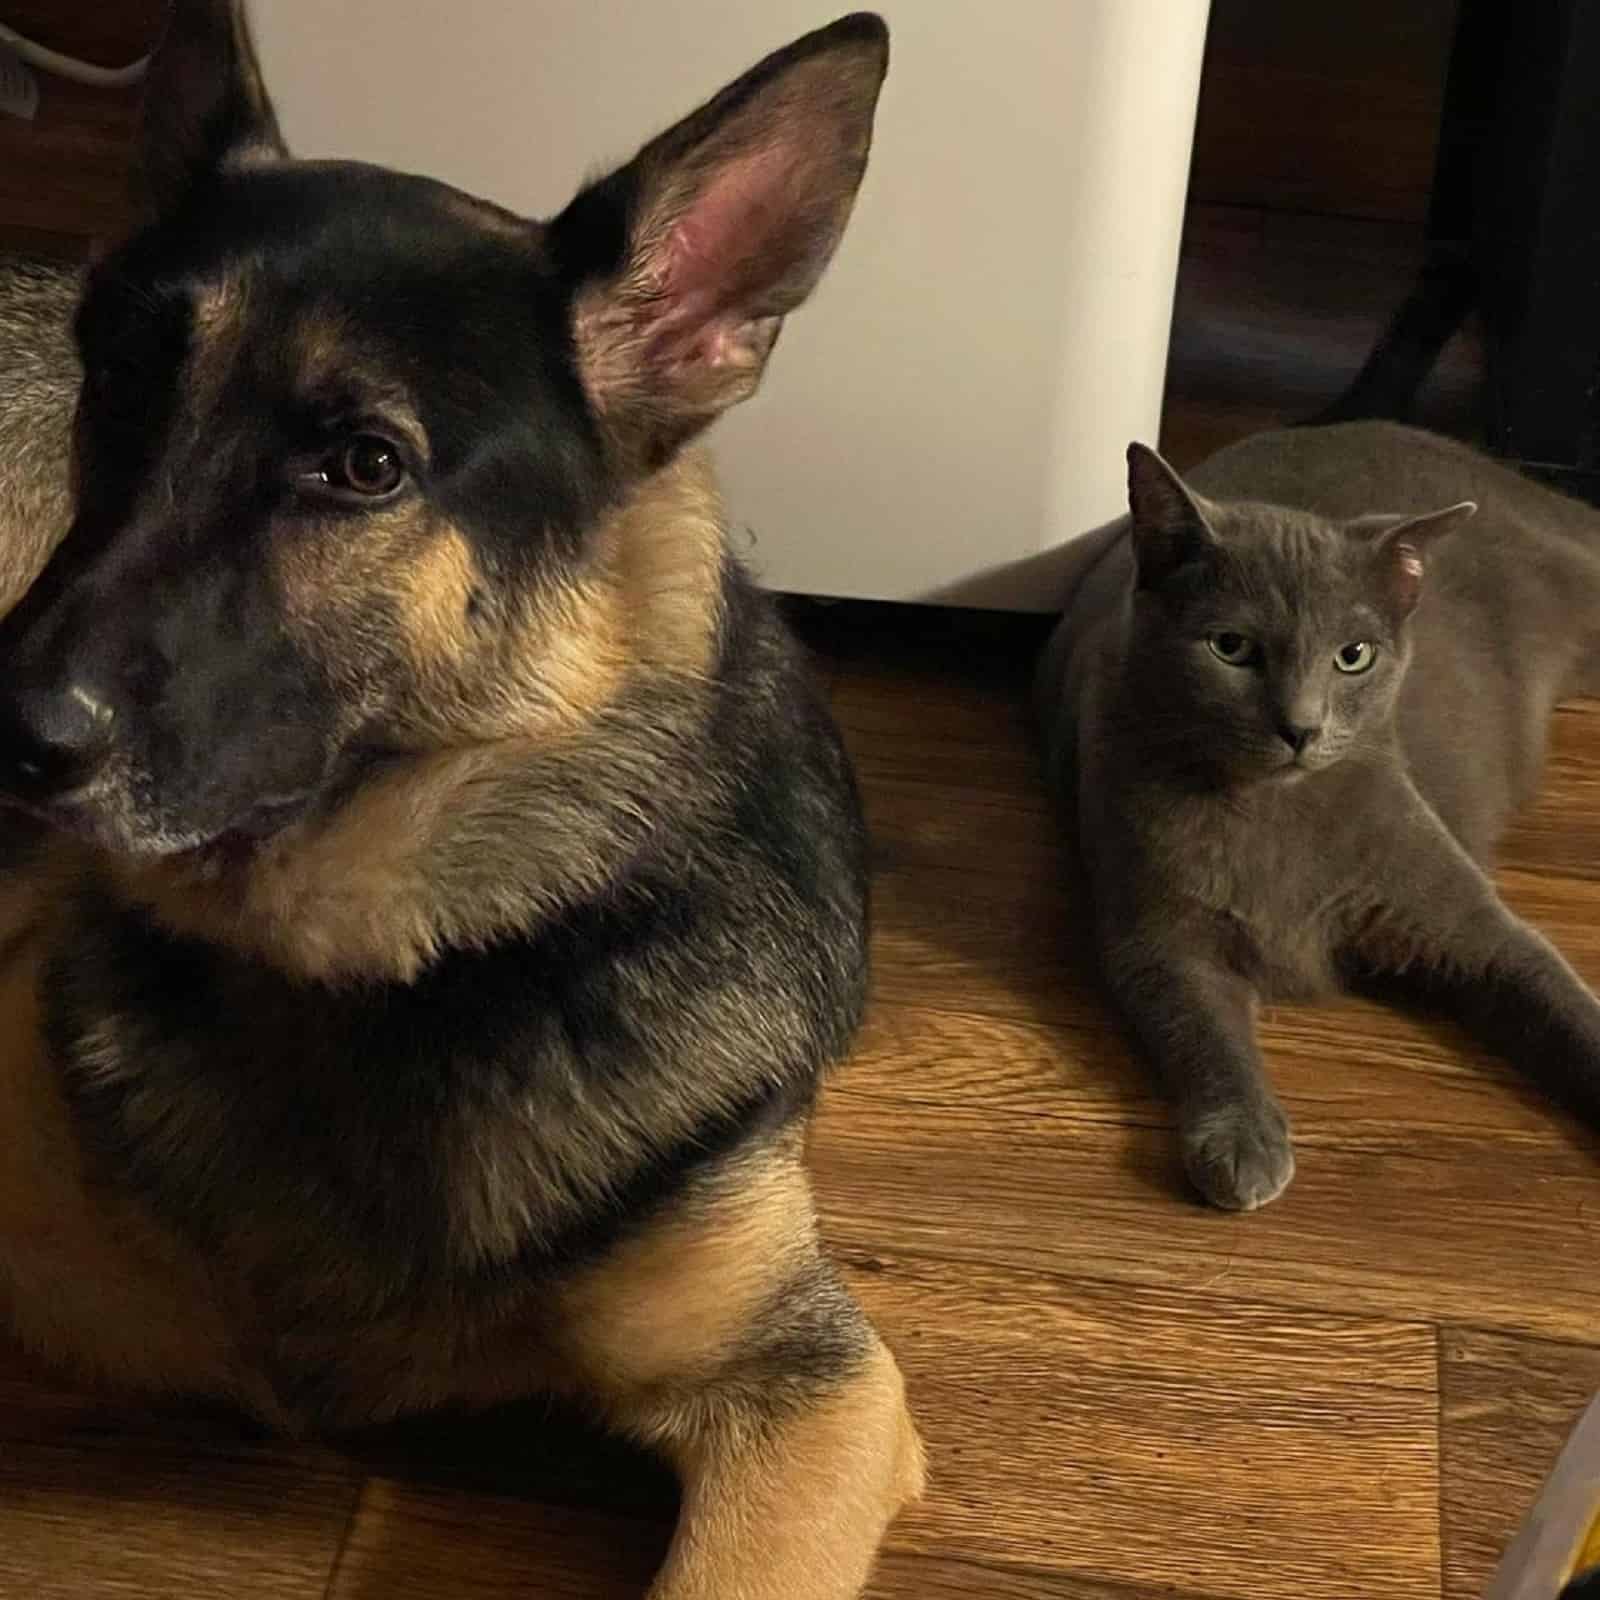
pixel 434 887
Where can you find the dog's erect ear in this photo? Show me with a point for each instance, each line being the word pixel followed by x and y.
pixel 204 103
pixel 1401 544
pixel 1169 527
pixel 684 263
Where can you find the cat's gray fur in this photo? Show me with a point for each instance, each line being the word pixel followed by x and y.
pixel 1225 868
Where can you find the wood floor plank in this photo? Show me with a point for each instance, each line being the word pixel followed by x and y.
pixel 1559 835
pixel 423 1542
pixel 1561 907
pixel 1507 1406
pixel 1356 1077
pixel 102 1503
pixel 903 1576
pixel 943 697
pixel 979 946
pixel 1449 1217
pixel 1001 768
pixel 918 822
pixel 1158 1440
pixel 411 1543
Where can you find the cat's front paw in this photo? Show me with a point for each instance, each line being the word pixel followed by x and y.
pixel 1239 1156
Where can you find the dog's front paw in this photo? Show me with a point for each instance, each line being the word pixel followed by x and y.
pixel 1239 1156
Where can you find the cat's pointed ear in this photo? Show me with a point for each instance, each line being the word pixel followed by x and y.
pixel 204 102
pixel 1169 526
pixel 1401 545
pixel 684 263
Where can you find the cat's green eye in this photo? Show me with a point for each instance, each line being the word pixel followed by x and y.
pixel 1237 649
pixel 1357 656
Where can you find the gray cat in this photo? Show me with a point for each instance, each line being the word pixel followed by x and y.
pixel 1289 731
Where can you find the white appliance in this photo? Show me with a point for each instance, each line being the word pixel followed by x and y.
pixel 954 403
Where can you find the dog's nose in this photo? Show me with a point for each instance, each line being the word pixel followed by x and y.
pixel 51 740
pixel 1298 736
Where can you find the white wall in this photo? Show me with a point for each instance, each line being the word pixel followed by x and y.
pixel 957 398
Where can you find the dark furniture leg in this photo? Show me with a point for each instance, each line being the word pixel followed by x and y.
pixel 1447 287
pixel 1537 241
pixel 1513 227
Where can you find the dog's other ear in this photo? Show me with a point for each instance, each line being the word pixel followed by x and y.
pixel 684 263
pixel 204 103
pixel 1169 527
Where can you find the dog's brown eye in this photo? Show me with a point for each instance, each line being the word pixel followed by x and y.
pixel 364 466
pixel 370 466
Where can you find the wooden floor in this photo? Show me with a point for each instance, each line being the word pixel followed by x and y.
pixel 1353 1394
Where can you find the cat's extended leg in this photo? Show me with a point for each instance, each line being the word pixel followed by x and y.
pixel 1455 942
pixel 722 1337
pixel 1195 1019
